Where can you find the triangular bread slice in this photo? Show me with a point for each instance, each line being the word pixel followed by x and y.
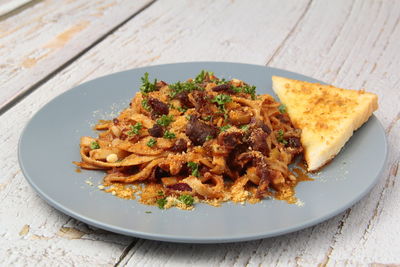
pixel 327 115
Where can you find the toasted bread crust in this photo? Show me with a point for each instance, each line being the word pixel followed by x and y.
pixel 327 115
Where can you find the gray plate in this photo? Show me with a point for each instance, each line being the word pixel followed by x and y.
pixel 50 142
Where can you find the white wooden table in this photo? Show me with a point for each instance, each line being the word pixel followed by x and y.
pixel 47 47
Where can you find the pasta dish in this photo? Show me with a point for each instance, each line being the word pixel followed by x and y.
pixel 203 140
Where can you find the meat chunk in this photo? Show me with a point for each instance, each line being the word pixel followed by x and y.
pixel 200 102
pixel 223 88
pixel 180 187
pixel 258 140
pixel 156 131
pixel 230 139
pixel 293 142
pixel 179 146
pixel 198 131
pixel 158 107
pixel 184 99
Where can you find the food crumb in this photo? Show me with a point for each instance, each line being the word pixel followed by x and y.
pixel 89 182
pixel 299 203
pixel 101 187
pixel 113 193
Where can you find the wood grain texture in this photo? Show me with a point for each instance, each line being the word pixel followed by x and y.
pixel 40 39
pixel 335 41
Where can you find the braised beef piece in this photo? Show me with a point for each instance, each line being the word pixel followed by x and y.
pixel 184 99
pixel 158 107
pixel 115 121
pixel 223 88
pixel 256 123
pixel 284 118
pixel 201 102
pixel 293 142
pixel 232 159
pixel 156 131
pixel 179 146
pixel 198 131
pixel 180 187
pixel 258 140
pixel 160 173
pixel 230 139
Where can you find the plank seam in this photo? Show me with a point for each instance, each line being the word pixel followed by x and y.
pixel 42 81
pixel 125 252
pixel 334 239
pixel 300 19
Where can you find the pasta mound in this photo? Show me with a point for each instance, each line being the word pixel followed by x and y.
pixel 206 139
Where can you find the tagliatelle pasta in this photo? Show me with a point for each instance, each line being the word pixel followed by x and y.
pixel 206 139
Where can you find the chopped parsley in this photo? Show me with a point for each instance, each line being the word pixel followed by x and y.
pixel 282 108
pixel 209 137
pixel 147 86
pixel 161 202
pixel 245 127
pixel 221 99
pixel 280 137
pixel 221 81
pixel 224 128
pixel 94 145
pixel 187 117
pixel 180 87
pixel 186 199
pixel 165 120
pixel 151 142
pixel 183 110
pixel 148 212
pixel 207 118
pixel 135 129
pixel 247 89
pixel 169 135
pixel 160 193
pixel 202 75
pixel 145 104
pixel 194 167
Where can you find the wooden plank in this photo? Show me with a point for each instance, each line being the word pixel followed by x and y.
pixel 42 38
pixel 335 41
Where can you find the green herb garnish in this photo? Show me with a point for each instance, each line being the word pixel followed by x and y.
pixel 160 193
pixel 202 75
pixel 94 145
pixel 161 202
pixel 145 104
pixel 151 142
pixel 224 128
pixel 221 99
pixel 165 120
pixel 179 87
pixel 183 110
pixel 147 212
pixel 169 135
pixel 282 108
pixel 186 199
pixel 247 89
pixel 187 117
pixel 194 167
pixel 147 86
pixel 221 81
pixel 207 118
pixel 280 137
pixel 245 127
pixel 135 129
pixel 209 137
